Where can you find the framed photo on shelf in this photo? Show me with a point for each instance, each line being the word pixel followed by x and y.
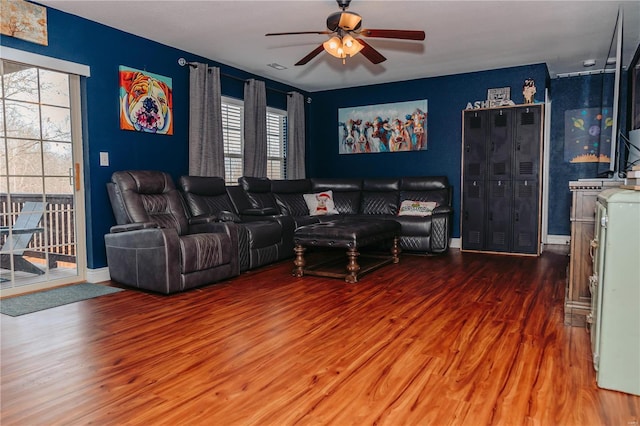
pixel 498 96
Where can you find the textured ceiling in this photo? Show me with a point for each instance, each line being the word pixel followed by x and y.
pixel 461 36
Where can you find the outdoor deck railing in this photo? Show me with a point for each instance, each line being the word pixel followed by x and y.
pixel 58 238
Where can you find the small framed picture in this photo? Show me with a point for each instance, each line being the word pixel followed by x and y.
pixel 499 96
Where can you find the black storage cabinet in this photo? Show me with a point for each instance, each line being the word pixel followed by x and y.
pixel 501 172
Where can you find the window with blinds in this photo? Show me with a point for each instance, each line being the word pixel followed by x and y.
pixel 232 119
pixel 232 131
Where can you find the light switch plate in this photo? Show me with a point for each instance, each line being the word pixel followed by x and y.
pixel 104 159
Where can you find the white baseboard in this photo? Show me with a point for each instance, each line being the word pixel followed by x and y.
pixel 560 240
pixel 97 275
pixel 455 243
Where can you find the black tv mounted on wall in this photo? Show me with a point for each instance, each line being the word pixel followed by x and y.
pixel 613 63
pixel 632 142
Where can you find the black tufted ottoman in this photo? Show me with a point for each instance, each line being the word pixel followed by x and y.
pixel 349 234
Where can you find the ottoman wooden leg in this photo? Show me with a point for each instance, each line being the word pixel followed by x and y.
pixel 352 267
pixel 395 250
pixel 299 263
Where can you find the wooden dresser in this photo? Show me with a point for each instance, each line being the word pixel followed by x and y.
pixel 577 301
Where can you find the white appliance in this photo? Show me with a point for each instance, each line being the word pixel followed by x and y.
pixel 615 291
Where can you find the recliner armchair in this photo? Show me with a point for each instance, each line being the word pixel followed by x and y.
pixel 260 242
pixel 156 246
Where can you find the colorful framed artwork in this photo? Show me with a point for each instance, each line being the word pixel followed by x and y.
pixel 146 102
pixel 393 127
pixel 587 135
pixel 23 20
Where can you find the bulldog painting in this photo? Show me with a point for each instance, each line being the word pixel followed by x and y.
pixel 146 103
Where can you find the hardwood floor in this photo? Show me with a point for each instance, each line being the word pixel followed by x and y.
pixel 461 339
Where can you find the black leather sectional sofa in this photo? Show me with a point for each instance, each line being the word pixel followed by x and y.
pixel 362 199
pixel 254 222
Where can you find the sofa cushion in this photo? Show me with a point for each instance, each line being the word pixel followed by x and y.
pixel 380 196
pixel 308 219
pixel 203 185
pixel 440 197
pixel 258 191
pixel 292 204
pixel 379 203
pixel 320 203
pixel 346 192
pixel 151 196
pixel 337 185
pixel 347 202
pixel 426 189
pixel 289 197
pixel 381 185
pixel 263 233
pixel 416 208
pixel 208 196
pixel 204 251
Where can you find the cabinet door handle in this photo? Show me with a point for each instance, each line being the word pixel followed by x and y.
pixel 589 318
pixel 593 245
pixel 589 321
pixel 593 284
pixel 517 217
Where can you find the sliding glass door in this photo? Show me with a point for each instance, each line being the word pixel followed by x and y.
pixel 41 241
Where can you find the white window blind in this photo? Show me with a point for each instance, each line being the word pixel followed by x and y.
pixel 232 131
pixel 276 137
pixel 232 119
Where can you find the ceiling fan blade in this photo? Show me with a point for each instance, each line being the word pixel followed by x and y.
pixel 370 53
pixel 311 55
pixel 300 32
pixel 400 34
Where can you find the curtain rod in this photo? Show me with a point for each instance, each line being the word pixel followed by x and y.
pixel 182 62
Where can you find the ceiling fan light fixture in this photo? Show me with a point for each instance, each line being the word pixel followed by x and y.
pixel 340 26
pixel 349 21
pixel 334 47
pixel 351 45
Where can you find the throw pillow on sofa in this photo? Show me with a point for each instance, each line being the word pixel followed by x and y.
pixel 320 203
pixel 416 208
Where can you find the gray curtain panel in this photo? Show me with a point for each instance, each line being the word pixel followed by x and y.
pixel 295 136
pixel 255 129
pixel 206 146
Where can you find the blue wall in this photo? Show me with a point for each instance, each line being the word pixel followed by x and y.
pixel 104 49
pixel 589 91
pixel 447 96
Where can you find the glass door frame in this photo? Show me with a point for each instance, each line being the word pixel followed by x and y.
pixel 78 191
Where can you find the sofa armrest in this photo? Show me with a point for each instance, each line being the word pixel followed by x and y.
pixel 201 219
pixel 442 210
pixel 265 211
pixel 440 229
pixel 212 227
pixel 145 258
pixel 132 227
pixel 227 216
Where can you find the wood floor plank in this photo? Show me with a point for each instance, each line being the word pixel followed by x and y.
pixel 458 339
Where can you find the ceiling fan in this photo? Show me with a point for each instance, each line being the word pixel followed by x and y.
pixel 346 27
